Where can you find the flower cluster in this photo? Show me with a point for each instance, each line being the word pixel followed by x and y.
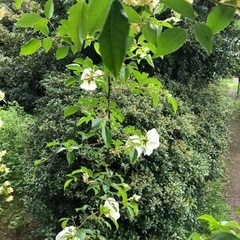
pixel 151 3
pixel 147 144
pixel 89 79
pixel 68 233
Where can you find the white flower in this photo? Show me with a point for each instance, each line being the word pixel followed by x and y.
pixel 88 76
pixel 152 141
pixel 67 233
pixel 9 199
pixel 1 122
pixel 146 145
pixel 113 208
pixel 2 153
pixel 2 95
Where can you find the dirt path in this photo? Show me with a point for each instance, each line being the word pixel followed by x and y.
pixel 233 160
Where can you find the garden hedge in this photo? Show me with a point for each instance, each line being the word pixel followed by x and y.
pixel 171 181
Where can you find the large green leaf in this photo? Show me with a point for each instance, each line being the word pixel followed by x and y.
pixel 204 35
pixel 30 47
pixel 220 17
pixel 97 13
pixel 77 22
pixel 170 40
pixel 49 9
pixel 181 6
pixel 28 20
pixel 113 40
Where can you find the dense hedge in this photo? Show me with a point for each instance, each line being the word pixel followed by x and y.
pixel 171 181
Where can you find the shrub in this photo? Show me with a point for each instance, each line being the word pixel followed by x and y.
pixel 171 181
pixel 13 140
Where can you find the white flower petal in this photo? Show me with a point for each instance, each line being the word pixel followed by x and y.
pixel 92 85
pixel 87 74
pixel 98 73
pixel 66 233
pixel 152 141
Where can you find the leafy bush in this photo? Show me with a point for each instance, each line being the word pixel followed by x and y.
pixel 171 181
pixel 13 140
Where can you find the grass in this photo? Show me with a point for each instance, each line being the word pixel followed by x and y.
pixel 231 85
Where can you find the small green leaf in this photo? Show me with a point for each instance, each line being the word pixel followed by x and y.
pixel 62 52
pixel 30 47
pixel 170 40
pixel 174 103
pixel 107 136
pixel 181 6
pixel 151 32
pixel 71 110
pixel 42 26
pixel 66 184
pixel 133 156
pixel 49 9
pixel 18 3
pixel 47 44
pixel 114 38
pixel 28 20
pixel 70 158
pixel 220 17
pixel 204 35
pixel 64 222
pixel 96 122
pixel 97 13
pixel 133 16
pixel 70 81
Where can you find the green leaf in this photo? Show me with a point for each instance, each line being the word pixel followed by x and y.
pixel 133 16
pixel 70 158
pixel 62 52
pixel 18 3
pixel 225 236
pixel 170 40
pixel 77 22
pixel 66 184
pixel 49 9
pixel 220 17
pixel 42 26
pixel 181 6
pixel 47 44
pixel 114 38
pixel 151 33
pixel 174 103
pixel 106 135
pixel 133 156
pixel 97 13
pixel 204 35
pixel 30 47
pixel 28 20
pixel 71 110
pixel 96 122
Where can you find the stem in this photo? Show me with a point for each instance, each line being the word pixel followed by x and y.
pixel 108 102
